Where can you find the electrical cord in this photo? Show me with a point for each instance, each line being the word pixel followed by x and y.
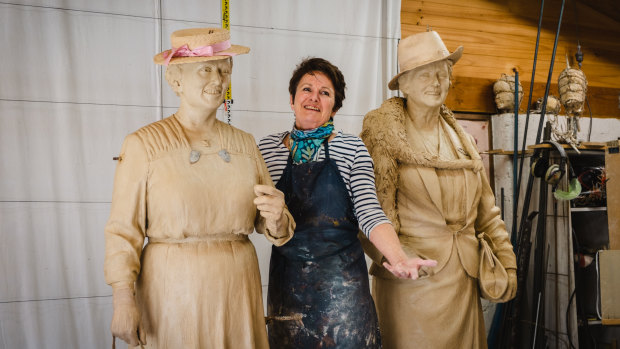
pixel 579 59
pixel 579 54
pixel 568 330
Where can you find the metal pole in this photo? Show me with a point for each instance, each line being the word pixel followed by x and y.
pixel 542 117
pixel 548 86
pixel 515 161
pixel 527 120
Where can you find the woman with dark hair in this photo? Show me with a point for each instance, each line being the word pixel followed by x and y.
pixel 318 282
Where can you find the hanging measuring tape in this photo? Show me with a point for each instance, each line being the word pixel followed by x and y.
pixel 226 25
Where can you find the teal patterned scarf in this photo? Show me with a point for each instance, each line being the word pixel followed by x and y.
pixel 305 144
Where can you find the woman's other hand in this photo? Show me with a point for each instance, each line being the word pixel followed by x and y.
pixel 409 268
pixel 270 203
pixel 126 323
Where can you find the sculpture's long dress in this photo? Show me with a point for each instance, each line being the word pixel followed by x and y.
pixel 444 310
pixel 197 279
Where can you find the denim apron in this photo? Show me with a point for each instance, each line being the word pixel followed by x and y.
pixel 318 294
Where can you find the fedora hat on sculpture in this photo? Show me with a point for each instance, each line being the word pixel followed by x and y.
pixel 199 44
pixel 420 49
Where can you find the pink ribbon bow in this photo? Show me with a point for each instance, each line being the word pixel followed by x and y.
pixel 202 51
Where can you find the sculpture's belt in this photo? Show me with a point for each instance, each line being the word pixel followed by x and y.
pixel 197 239
pixel 452 229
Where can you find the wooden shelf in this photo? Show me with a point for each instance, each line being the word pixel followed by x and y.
pixel 531 148
pixel 582 146
pixel 506 152
pixel 587 209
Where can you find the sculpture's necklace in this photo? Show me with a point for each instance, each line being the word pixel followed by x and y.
pixel 194 155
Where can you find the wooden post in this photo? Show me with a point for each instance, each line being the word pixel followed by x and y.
pixel 612 170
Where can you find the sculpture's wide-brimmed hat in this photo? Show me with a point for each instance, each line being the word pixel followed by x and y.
pixel 420 49
pixel 199 44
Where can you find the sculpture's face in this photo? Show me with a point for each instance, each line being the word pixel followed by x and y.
pixel 314 101
pixel 427 85
pixel 203 85
pixel 505 101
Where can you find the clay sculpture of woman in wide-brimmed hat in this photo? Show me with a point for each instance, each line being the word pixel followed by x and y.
pixel 194 188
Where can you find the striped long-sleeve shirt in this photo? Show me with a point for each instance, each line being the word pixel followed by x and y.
pixel 354 164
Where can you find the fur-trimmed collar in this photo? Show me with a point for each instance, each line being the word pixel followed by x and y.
pixel 386 128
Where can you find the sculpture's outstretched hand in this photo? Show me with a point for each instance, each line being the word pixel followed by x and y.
pixel 409 268
pixel 126 321
pixel 270 202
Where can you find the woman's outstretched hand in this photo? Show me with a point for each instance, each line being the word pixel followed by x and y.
pixel 409 268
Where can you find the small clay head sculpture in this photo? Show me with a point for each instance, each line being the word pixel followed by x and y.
pixel 573 86
pixel 553 105
pixel 420 49
pixel 504 90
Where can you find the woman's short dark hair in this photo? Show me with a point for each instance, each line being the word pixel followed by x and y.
pixel 311 65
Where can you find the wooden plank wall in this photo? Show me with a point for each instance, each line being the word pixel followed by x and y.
pixel 499 35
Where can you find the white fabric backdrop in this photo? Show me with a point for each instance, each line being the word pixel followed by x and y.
pixel 77 76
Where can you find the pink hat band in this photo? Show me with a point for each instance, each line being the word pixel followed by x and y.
pixel 202 51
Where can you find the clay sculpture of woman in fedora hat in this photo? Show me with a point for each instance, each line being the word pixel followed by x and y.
pixel 194 188
pixel 432 186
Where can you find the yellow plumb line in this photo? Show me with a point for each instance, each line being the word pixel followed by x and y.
pixel 226 25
